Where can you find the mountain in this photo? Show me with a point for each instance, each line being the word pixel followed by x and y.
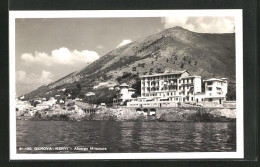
pixel 207 55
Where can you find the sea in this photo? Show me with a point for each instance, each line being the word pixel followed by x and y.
pixel 124 137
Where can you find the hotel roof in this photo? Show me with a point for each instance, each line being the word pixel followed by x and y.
pixel 124 84
pixel 193 76
pixel 214 79
pixel 162 74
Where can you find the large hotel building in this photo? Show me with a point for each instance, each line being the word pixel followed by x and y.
pixel 170 88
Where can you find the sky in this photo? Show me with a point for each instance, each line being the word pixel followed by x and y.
pixel 49 49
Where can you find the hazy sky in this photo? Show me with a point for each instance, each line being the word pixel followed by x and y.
pixel 48 49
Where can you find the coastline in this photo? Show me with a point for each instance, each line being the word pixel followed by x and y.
pixel 178 114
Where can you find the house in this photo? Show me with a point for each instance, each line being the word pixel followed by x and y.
pixel 215 90
pixel 22 105
pixel 171 88
pixel 90 94
pixel 111 88
pixel 78 99
pixel 42 106
pixel 50 102
pixel 124 94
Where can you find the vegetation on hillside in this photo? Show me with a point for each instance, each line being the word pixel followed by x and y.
pixel 207 55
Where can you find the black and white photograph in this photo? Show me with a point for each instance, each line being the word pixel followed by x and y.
pixel 126 84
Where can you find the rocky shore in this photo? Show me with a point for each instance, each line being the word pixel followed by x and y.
pixel 182 114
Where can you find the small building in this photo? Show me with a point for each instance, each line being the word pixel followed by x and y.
pixel 215 90
pixel 111 88
pixel 103 104
pixel 125 94
pixel 50 102
pixel 90 94
pixel 22 105
pixel 42 106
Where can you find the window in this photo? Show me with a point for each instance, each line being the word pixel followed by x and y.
pixel 210 89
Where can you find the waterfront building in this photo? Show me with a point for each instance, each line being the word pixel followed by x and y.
pixel 173 88
pixel 125 94
pixel 215 90
pixel 22 105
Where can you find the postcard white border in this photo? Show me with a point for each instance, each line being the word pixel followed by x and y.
pixel 237 13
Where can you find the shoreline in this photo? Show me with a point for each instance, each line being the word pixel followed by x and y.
pixel 180 114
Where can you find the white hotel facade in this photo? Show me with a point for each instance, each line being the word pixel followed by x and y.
pixel 169 89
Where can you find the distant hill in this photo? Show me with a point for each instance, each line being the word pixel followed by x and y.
pixel 207 55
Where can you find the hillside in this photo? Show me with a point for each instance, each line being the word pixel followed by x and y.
pixel 208 55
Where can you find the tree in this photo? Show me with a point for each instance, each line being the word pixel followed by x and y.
pixel 182 65
pixel 137 87
pixel 125 102
pixel 78 86
pixel 158 70
pixel 35 103
pixel 231 94
pixel 134 95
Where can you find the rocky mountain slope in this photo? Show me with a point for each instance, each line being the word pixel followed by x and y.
pixel 207 55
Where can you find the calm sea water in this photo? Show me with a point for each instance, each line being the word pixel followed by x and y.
pixel 39 136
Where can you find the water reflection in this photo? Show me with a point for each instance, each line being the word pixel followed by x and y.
pixel 130 136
